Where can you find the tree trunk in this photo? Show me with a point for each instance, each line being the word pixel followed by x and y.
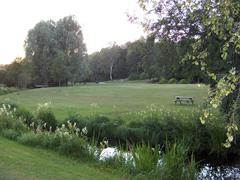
pixel 110 74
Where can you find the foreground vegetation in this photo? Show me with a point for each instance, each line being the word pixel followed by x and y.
pixel 70 140
pixel 158 140
pixel 21 162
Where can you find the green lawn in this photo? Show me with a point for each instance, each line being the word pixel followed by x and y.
pixel 21 162
pixel 106 99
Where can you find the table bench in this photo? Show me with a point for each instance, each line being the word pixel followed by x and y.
pixel 40 86
pixel 180 99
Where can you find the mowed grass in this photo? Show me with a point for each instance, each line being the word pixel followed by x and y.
pixel 111 99
pixel 21 162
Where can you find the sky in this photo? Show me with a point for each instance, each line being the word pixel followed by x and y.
pixel 102 22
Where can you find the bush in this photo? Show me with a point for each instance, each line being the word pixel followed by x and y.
pixel 133 76
pixel 31 139
pixel 6 90
pixel 103 127
pixel 45 115
pixel 162 81
pixel 154 80
pixel 10 134
pixel 74 146
pixel 80 121
pixel 10 105
pixel 183 81
pixel 8 120
pixel 26 115
pixel 143 76
pixel 172 81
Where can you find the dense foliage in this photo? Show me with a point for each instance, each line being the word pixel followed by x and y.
pixel 213 27
pixel 56 55
pixel 159 143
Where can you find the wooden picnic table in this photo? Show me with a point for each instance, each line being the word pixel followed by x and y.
pixel 180 99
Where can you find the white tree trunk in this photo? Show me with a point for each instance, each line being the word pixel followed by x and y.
pixel 110 73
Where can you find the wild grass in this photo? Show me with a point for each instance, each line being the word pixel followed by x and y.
pixel 146 157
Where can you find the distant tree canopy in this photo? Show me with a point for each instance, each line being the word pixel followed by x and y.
pixel 145 59
pixel 56 54
pixel 56 51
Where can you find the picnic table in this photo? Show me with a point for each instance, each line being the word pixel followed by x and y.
pixel 180 99
pixel 40 86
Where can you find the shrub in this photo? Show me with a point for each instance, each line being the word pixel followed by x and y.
pixel 51 141
pixel 45 115
pixel 133 76
pixel 183 81
pixel 8 120
pixel 10 134
pixel 80 121
pixel 31 139
pixel 25 114
pixel 154 80
pixel 102 126
pixel 143 76
pixel 74 146
pixel 172 81
pixel 6 90
pixel 162 81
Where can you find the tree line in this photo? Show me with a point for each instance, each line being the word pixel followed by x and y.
pixel 56 55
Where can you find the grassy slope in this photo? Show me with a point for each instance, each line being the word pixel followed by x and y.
pixel 21 162
pixel 106 99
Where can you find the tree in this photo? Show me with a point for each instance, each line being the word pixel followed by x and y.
pixel 40 47
pixel 59 71
pixel 135 55
pixel 48 41
pixel 18 73
pixel 69 40
pixel 108 63
pixel 112 54
pixel 2 74
pixel 205 21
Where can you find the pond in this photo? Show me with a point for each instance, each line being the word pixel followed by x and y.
pixel 206 171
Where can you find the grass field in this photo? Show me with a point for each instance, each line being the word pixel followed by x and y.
pixel 21 162
pixel 110 99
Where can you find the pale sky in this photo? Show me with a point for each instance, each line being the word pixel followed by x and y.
pixel 102 21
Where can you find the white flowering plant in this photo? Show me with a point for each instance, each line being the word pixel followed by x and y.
pixel 71 130
pixel 45 117
pixel 9 120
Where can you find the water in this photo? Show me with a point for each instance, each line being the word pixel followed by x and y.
pixel 219 172
pixel 206 172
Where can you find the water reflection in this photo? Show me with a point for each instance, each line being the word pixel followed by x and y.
pixel 219 172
